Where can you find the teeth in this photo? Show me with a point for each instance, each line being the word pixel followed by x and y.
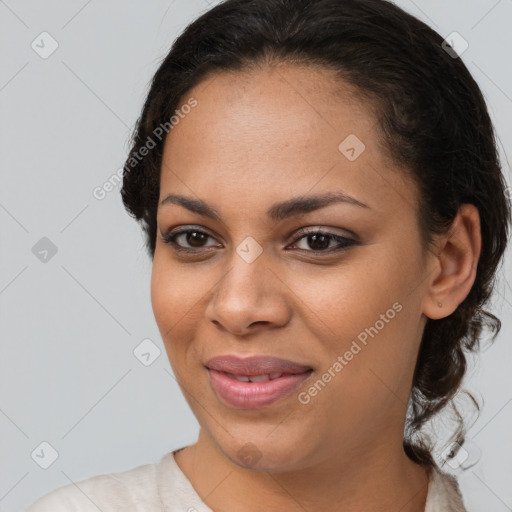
pixel 258 378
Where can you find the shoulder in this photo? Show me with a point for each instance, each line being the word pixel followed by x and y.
pixel 132 490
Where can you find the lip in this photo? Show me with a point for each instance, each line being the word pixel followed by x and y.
pixel 222 371
pixel 254 365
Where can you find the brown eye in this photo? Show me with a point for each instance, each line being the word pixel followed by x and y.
pixel 319 241
pixel 193 240
pixel 193 237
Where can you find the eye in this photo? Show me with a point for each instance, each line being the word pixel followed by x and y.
pixel 194 237
pixel 319 241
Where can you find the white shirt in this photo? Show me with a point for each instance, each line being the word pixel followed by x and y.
pixel 163 487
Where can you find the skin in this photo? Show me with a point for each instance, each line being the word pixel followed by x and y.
pixel 254 139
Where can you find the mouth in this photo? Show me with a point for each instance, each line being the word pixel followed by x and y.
pixel 259 378
pixel 254 382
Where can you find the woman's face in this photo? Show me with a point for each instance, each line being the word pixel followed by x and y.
pixel 349 309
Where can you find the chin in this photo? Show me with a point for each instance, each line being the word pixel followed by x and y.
pixel 264 454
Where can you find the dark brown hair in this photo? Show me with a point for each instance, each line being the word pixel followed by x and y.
pixel 433 122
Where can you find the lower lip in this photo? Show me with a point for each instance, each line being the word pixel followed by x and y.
pixel 251 395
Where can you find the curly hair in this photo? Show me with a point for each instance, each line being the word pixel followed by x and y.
pixel 433 122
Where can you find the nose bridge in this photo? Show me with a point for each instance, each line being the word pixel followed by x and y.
pixel 247 267
pixel 248 292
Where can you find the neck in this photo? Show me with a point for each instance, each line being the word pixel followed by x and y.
pixel 380 480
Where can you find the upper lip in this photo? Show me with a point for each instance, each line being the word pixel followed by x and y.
pixel 254 365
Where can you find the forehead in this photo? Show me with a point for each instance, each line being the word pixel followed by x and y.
pixel 283 100
pixel 273 130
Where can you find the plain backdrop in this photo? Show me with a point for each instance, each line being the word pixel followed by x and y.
pixel 74 274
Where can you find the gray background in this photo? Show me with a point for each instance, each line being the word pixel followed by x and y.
pixel 69 325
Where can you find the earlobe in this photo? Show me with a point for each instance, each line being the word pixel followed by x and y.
pixel 456 262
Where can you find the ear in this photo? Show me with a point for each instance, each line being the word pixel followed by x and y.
pixel 454 264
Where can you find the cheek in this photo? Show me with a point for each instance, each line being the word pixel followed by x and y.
pixel 173 289
pixel 178 298
pixel 365 313
pixel 345 300
pixel 162 294
pixel 171 298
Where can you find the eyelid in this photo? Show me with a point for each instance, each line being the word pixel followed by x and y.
pixel 326 230
pixel 343 241
pixel 182 230
pixel 311 229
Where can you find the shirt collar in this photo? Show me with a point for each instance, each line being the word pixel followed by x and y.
pixel 178 495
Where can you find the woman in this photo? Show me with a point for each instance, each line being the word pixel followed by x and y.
pixel 323 203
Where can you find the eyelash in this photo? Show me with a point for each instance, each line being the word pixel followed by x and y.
pixel 343 241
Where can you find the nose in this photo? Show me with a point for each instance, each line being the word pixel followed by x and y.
pixel 249 297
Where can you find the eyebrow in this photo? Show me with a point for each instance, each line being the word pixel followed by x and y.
pixel 277 212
